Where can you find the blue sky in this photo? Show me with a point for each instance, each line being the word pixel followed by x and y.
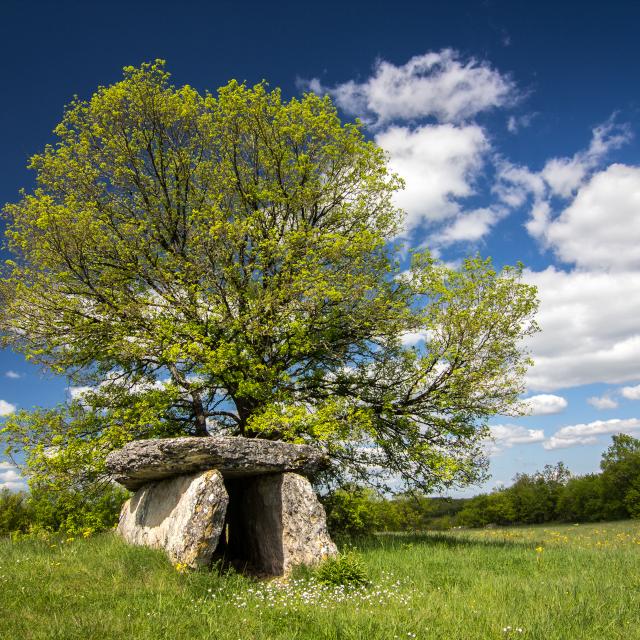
pixel 515 124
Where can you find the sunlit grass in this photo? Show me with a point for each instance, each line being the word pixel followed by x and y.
pixel 551 582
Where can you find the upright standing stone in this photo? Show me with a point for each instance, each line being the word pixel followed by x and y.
pixel 285 524
pixel 184 515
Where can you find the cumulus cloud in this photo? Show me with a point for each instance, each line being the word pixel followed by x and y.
pixel 505 436
pixel 6 408
pixel 581 434
pixel 422 114
pixel 470 226
pixel 10 478
pixel 603 402
pixel 545 404
pixel 411 338
pixel 439 84
pixel 601 227
pixel 12 374
pixel 439 164
pixel 562 178
pixel 590 331
pixel 565 175
pixel 588 313
pixel 75 393
pixel 631 393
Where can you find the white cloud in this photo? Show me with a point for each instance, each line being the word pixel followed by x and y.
pixel 516 123
pixel 589 328
pixel 515 184
pixel 505 436
pixel 10 478
pixel 77 392
pixel 439 164
pixel 601 227
pixel 587 315
pixel 565 175
pixel 631 393
pixel 411 338
pixel 6 408
pixel 603 402
pixel 560 177
pixel 580 434
pixel 12 374
pixel 545 404
pixel 470 226
pixel 437 84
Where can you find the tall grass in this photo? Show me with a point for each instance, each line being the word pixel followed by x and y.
pixel 565 582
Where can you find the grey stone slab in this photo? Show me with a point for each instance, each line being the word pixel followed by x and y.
pixel 143 461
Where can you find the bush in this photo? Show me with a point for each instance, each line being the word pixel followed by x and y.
pixel 582 499
pixel 15 512
pixel 344 569
pixel 352 511
pixel 73 513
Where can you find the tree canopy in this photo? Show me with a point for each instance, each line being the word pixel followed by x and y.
pixel 226 264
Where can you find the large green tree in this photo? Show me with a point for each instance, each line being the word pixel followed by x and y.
pixel 225 264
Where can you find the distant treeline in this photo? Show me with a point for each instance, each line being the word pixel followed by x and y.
pixel 550 495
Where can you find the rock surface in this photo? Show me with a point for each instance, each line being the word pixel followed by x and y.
pixel 285 524
pixel 183 515
pixel 143 461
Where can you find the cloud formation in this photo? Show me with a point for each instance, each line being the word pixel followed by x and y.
pixel 600 229
pixel 469 226
pixel 439 164
pixel 582 434
pixel 6 408
pixel 560 177
pixel 422 113
pixel 589 329
pixel 545 404
pixel 631 393
pixel 505 436
pixel 603 402
pixel 10 478
pixel 13 375
pixel 438 84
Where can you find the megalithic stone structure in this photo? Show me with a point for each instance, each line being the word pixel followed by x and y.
pixel 244 500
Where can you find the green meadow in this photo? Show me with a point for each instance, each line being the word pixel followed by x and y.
pixel 555 582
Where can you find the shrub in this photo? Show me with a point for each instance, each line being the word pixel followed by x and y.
pixel 15 511
pixel 76 513
pixel 344 569
pixel 352 511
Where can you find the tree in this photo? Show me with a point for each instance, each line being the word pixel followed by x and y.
pixel 620 477
pixel 535 497
pixel 582 499
pixel 226 264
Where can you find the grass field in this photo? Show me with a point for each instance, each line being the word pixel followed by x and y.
pixel 570 582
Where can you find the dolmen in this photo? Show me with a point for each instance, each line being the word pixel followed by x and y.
pixel 239 500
